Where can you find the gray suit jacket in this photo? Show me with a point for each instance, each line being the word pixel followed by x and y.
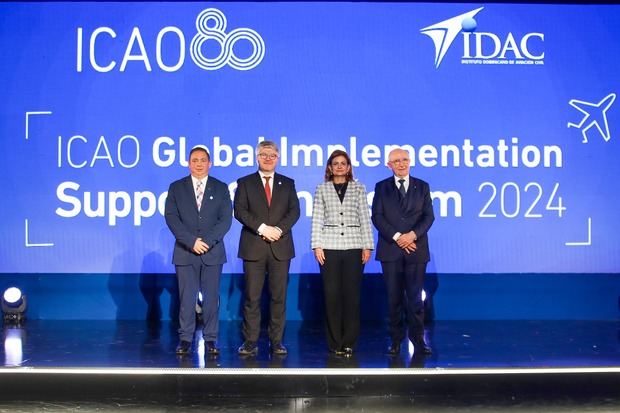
pixel 341 226
pixel 187 223
pixel 252 210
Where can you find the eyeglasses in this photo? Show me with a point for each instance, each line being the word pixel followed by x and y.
pixel 399 161
pixel 271 156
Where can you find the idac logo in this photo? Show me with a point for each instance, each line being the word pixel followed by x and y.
pixel 485 47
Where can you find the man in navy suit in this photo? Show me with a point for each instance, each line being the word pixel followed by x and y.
pixel 199 214
pixel 402 212
pixel 267 206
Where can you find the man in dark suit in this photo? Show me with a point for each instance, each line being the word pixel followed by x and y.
pixel 267 206
pixel 199 214
pixel 402 212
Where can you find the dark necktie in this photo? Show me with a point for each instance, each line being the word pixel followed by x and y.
pixel 401 188
pixel 267 190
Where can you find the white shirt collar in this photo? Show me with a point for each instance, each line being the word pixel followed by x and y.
pixel 196 180
pixel 397 178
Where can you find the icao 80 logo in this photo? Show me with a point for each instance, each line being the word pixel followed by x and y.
pixel 226 41
pixel 211 28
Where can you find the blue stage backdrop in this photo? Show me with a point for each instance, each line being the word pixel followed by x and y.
pixel 509 112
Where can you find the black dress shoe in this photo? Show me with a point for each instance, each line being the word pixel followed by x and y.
pixel 212 348
pixel 394 348
pixel 278 349
pixel 420 347
pixel 248 348
pixel 184 347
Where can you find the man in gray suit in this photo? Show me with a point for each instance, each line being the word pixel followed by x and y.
pixel 199 214
pixel 267 206
pixel 402 211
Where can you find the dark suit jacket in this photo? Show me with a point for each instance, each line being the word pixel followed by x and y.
pixel 211 223
pixel 251 210
pixel 390 217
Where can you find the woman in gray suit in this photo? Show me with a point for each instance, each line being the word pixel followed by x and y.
pixel 342 241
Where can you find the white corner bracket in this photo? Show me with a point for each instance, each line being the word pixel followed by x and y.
pixel 34 113
pixel 583 243
pixel 32 244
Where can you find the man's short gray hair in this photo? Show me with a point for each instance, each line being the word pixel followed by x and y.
pixel 267 144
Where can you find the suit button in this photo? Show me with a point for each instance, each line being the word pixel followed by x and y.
pixel 342 213
pixel 342 223
pixel 342 233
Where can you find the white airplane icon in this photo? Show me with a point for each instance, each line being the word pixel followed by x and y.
pixel 595 114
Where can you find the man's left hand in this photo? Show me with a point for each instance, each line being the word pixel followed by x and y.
pixel 405 239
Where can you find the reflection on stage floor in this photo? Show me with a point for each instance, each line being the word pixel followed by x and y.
pixel 456 344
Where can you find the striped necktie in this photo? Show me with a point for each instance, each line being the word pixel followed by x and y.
pixel 199 194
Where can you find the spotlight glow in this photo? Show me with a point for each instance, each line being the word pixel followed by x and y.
pixel 13 353
pixel 410 349
pixel 12 295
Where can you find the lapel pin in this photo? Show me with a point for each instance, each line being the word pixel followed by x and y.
pixel 211 197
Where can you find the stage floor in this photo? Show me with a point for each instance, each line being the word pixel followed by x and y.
pixel 477 365
pixel 456 345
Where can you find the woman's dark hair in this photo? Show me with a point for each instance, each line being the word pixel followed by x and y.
pixel 329 176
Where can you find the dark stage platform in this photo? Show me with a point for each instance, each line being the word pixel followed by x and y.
pixel 483 363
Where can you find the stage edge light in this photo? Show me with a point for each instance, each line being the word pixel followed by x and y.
pixel 13 306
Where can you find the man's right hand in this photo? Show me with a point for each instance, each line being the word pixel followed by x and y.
pixel 410 248
pixel 405 239
pixel 271 234
pixel 200 247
